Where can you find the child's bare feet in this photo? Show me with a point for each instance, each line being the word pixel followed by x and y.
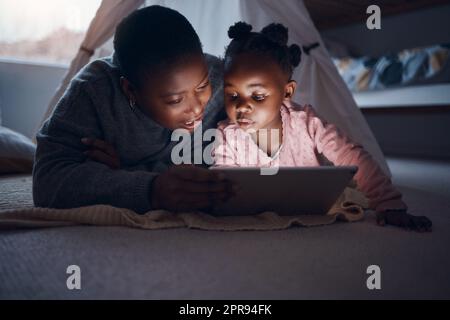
pixel 404 220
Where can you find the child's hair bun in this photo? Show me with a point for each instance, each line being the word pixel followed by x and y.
pixel 239 30
pixel 277 33
pixel 295 55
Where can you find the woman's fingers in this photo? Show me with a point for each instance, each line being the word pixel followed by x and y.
pixel 100 144
pixel 206 187
pixel 102 157
pixel 101 151
pixel 199 185
pixel 198 194
pixel 197 174
pixel 178 190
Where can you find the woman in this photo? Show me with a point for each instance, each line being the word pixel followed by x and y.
pixel 157 81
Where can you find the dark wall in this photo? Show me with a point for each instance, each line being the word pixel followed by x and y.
pixel 415 131
pixel 424 27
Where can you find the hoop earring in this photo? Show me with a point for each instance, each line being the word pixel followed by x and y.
pixel 132 104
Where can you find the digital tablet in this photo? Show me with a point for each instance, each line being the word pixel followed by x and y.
pixel 291 191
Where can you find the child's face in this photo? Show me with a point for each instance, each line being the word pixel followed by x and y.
pixel 255 88
pixel 176 97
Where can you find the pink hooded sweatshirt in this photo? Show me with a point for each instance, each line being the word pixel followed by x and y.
pixel 305 138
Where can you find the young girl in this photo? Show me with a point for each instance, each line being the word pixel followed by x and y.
pixel 258 89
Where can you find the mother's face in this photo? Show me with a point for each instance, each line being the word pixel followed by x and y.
pixel 175 97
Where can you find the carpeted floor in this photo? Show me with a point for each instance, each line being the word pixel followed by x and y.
pixel 427 175
pixel 321 262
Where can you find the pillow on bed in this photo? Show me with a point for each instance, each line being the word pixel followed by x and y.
pixel 417 66
pixel 16 152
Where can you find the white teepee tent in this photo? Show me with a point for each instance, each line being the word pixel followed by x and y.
pixel 318 80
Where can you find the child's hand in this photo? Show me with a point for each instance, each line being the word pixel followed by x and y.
pixel 404 220
pixel 101 151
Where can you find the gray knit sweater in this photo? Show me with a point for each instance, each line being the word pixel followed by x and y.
pixel 94 106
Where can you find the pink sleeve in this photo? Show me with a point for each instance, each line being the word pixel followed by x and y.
pixel 223 153
pixel 340 150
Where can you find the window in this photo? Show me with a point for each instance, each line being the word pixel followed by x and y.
pixel 48 31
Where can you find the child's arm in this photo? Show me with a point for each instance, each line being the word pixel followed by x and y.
pixel 383 196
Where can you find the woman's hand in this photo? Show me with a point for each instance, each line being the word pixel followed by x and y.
pixel 404 220
pixel 187 188
pixel 101 151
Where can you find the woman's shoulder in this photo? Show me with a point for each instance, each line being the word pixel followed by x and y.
pixel 99 70
pixel 99 78
pixel 96 84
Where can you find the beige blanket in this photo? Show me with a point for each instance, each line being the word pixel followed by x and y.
pixel 349 207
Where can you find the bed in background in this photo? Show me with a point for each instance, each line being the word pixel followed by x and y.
pixel 404 96
pixel 418 66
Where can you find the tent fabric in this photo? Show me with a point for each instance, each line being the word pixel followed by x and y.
pixel 319 82
pixel 101 28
